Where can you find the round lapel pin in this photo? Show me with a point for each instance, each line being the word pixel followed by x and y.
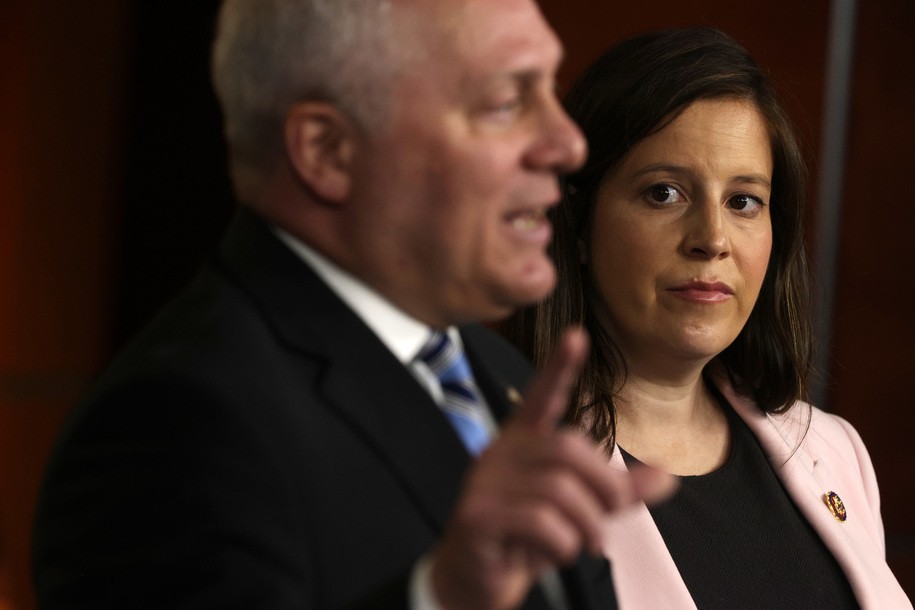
pixel 514 397
pixel 836 506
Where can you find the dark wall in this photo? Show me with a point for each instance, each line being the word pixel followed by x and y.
pixel 874 327
pixel 176 196
pixel 62 95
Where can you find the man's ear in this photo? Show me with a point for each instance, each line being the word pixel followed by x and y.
pixel 320 144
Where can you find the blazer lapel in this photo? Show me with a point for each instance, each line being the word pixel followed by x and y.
pixel 643 568
pixel 796 451
pixel 368 387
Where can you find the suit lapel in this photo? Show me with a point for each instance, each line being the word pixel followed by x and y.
pixel 589 584
pixel 362 382
pixel 500 382
pixel 400 421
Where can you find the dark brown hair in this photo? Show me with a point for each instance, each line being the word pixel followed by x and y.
pixel 634 90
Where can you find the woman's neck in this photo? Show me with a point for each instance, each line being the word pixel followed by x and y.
pixel 677 426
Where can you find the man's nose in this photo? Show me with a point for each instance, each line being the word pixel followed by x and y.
pixel 561 146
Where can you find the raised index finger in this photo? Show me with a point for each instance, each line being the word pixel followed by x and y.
pixel 548 394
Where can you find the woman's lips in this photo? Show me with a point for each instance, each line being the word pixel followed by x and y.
pixel 703 292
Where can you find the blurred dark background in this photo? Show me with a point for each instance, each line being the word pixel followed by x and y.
pixel 113 191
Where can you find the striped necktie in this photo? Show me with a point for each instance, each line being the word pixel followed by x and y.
pixel 461 395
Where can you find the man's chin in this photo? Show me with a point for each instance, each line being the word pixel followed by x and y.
pixel 505 294
pixel 530 287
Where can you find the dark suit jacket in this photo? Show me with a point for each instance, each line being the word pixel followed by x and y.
pixel 259 447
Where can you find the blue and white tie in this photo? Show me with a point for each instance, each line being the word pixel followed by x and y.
pixel 461 396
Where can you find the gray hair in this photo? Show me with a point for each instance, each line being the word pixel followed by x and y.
pixel 270 54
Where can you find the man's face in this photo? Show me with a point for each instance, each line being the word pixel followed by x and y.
pixel 449 200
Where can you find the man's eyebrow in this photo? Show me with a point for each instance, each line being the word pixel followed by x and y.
pixel 522 77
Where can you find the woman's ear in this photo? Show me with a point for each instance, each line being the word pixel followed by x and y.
pixel 320 145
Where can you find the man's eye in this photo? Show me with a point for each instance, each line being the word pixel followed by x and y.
pixel 502 113
pixel 506 106
pixel 664 193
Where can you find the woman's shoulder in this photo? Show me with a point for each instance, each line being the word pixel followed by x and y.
pixel 800 423
pixel 831 426
pixel 819 427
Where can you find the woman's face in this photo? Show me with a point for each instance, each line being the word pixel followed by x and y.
pixel 682 236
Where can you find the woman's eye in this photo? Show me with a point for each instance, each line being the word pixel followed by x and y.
pixel 745 203
pixel 663 193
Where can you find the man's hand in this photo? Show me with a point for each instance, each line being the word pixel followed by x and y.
pixel 535 499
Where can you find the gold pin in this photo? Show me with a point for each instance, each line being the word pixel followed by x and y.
pixel 836 506
pixel 514 397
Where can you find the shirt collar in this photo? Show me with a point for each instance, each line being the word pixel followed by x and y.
pixel 401 333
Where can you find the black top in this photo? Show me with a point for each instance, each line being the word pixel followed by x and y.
pixel 740 542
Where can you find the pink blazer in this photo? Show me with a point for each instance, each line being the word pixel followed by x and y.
pixel 831 457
